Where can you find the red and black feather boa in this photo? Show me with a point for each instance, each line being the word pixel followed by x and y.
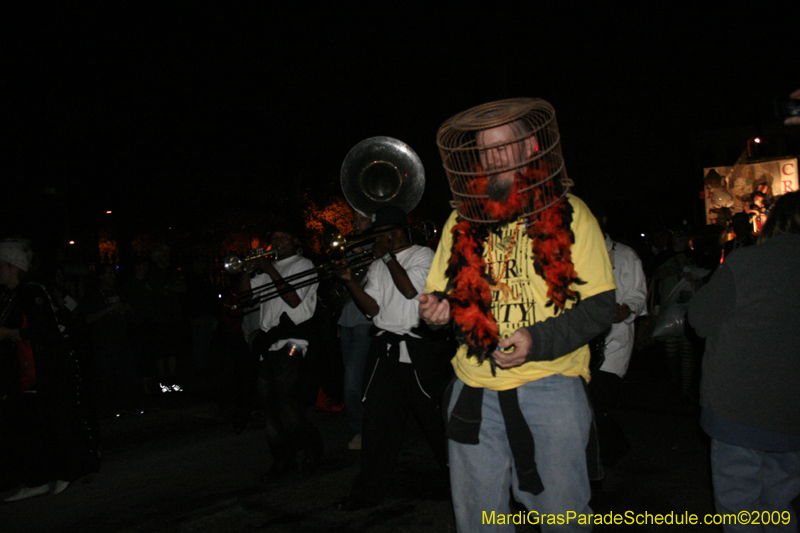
pixel 551 237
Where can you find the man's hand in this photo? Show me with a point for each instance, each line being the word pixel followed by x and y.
pixel 383 245
pixel 257 264
pixel 343 271
pixel 621 312
pixel 521 341
pixel 268 267
pixel 433 311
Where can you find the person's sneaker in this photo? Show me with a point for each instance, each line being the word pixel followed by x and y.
pixel 59 486
pixel 278 471
pixel 28 492
pixel 165 388
pixel 355 443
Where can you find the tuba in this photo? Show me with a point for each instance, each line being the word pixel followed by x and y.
pixel 377 172
pixel 382 171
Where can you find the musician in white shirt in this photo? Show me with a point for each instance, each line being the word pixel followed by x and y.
pixel 405 372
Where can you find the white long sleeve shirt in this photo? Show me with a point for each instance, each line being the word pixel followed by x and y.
pixel 397 313
pixel 271 310
pixel 631 290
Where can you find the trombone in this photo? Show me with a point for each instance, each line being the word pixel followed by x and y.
pixel 338 248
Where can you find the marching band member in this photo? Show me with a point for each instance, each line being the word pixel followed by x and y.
pixel 354 329
pixel 407 368
pixel 286 331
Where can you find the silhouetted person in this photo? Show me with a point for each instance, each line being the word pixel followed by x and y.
pixel 354 329
pixel 168 318
pixel 743 230
pixel 749 313
pixel 53 440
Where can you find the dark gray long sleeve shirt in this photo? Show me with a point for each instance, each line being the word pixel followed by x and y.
pixel 749 313
pixel 571 329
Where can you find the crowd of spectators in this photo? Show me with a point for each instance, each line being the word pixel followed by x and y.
pixel 82 345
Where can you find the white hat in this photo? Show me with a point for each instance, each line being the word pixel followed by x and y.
pixel 16 252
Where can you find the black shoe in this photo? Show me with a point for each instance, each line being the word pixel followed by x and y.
pixel 310 466
pixel 312 454
pixel 278 471
pixel 312 459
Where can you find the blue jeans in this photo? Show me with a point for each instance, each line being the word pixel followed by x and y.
pixel 754 480
pixel 559 417
pixel 355 348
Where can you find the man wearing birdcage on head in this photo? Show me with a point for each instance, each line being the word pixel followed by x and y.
pixel 523 276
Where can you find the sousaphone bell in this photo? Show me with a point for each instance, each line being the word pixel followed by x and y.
pixel 380 172
pixel 377 172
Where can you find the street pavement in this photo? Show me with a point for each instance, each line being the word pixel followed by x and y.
pixel 181 468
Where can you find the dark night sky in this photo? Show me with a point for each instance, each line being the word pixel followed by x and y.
pixel 184 108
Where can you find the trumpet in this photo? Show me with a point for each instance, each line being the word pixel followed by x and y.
pixel 338 248
pixel 235 265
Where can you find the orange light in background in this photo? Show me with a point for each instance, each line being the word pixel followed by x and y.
pixel 757 140
pixel 108 212
pixel 72 242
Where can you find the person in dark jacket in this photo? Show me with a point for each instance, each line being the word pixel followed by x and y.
pixel 749 313
pixel 48 438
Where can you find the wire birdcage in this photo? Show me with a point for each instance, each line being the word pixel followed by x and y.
pixel 517 136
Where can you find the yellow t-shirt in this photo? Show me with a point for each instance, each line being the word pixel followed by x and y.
pixel 521 295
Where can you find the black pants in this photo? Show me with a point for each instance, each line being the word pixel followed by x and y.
pixel 245 371
pixel 288 427
pixel 45 437
pixel 392 392
pixel 604 392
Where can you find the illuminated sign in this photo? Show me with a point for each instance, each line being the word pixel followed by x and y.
pixel 733 186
